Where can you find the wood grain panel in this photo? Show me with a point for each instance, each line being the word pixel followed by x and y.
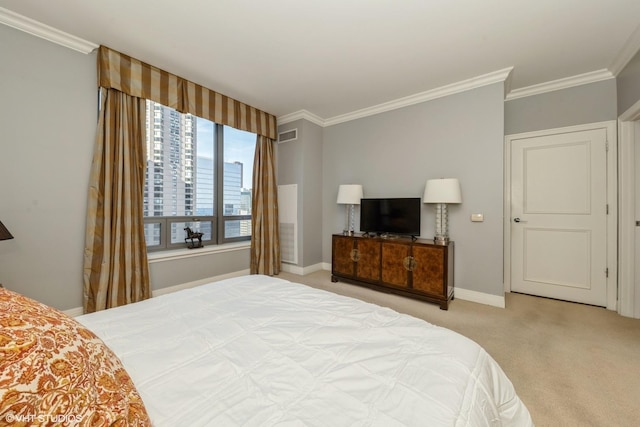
pixel 341 255
pixel 368 266
pixel 428 273
pixel 393 271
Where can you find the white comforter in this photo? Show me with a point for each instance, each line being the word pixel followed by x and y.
pixel 261 351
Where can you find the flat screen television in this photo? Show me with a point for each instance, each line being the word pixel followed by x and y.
pixel 399 216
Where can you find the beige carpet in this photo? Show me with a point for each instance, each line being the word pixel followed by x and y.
pixel 571 364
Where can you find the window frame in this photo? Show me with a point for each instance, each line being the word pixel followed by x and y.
pixel 218 219
pixel 219 205
pixel 165 233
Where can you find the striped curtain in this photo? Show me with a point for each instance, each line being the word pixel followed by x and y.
pixel 265 234
pixel 116 270
pixel 136 78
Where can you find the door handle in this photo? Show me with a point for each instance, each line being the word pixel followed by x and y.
pixel 518 220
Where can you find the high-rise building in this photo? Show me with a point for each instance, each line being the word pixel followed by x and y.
pixel 232 199
pixel 232 187
pixel 205 191
pixel 245 201
pixel 171 162
pixel 245 209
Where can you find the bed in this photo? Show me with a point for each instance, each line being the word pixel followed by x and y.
pixel 262 351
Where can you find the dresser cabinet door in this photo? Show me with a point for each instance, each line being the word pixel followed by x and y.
pixel 343 250
pixel 394 271
pixel 368 265
pixel 429 269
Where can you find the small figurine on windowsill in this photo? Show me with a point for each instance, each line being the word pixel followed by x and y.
pixel 193 235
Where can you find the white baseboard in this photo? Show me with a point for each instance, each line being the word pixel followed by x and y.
pixel 301 271
pixel 479 297
pixel 74 312
pixel 170 289
pixel 77 311
pixel 464 294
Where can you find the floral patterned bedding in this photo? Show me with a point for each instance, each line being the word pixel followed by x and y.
pixel 54 371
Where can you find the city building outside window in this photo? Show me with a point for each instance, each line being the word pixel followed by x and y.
pixel 199 175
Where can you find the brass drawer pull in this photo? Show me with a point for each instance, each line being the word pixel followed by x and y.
pixel 409 263
pixel 355 255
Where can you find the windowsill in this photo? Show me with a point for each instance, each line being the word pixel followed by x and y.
pixel 160 256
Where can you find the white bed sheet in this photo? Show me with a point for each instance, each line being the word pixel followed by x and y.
pixel 261 351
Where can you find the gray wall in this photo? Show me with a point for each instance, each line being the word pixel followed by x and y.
pixel 48 118
pixel 629 84
pixel 588 103
pixel 312 203
pixel 197 266
pixel 300 162
pixel 392 154
pixel 48 114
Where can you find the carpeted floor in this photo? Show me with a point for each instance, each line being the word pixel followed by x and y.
pixel 571 364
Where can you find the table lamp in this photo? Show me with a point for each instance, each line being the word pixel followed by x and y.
pixel 350 195
pixel 442 191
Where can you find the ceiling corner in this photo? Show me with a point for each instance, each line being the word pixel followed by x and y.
pixel 628 51
pixel 302 114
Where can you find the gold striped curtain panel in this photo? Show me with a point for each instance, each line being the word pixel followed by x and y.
pixel 116 271
pixel 136 78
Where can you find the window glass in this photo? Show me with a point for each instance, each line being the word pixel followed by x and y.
pixel 178 232
pixel 239 149
pixel 205 170
pixel 152 234
pixel 180 157
pixel 185 156
pixel 237 228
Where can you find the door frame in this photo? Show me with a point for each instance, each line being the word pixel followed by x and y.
pixel 612 201
pixel 629 294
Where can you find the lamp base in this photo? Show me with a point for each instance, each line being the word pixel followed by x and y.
pixel 441 240
pixel 442 225
pixel 348 232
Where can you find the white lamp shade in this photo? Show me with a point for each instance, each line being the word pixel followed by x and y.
pixel 443 190
pixel 350 194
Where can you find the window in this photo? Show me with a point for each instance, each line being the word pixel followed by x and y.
pixel 199 175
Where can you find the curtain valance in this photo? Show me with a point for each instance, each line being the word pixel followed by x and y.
pixel 136 78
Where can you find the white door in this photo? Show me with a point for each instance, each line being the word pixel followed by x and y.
pixel 559 216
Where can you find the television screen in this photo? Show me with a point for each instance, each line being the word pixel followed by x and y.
pixel 391 216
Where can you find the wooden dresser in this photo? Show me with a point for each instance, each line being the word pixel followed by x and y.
pixel 413 268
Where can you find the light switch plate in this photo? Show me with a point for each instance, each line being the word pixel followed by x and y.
pixel 477 217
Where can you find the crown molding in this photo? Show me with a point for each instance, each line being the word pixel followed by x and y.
pixel 302 114
pixel 46 32
pixel 628 51
pixel 564 83
pixel 462 86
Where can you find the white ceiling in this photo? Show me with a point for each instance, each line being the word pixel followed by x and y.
pixel 333 57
